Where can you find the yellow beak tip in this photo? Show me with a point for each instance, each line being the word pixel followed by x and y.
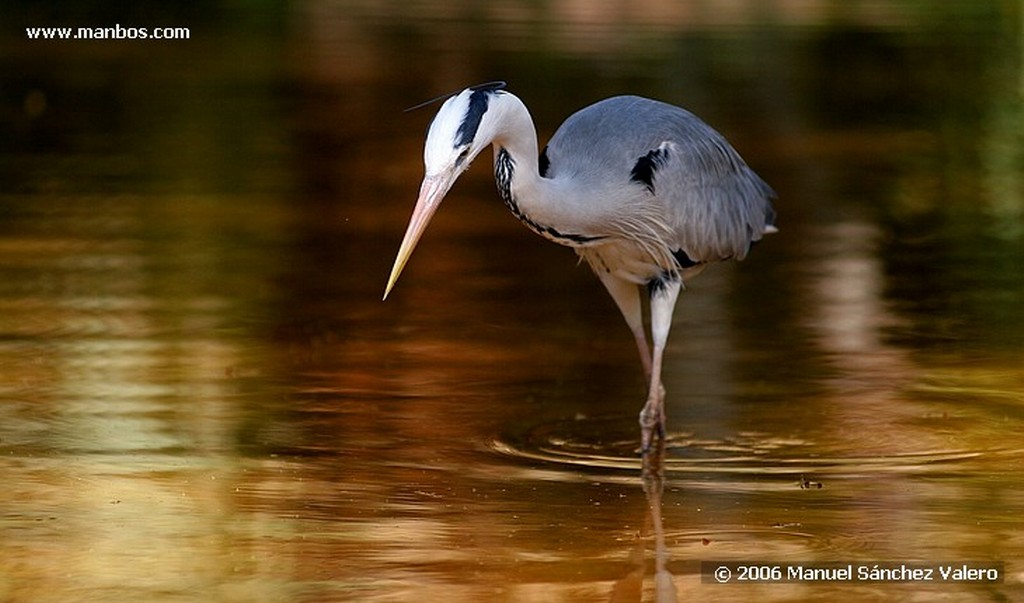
pixel 432 190
pixel 393 278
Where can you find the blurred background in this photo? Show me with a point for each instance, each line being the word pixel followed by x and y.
pixel 203 398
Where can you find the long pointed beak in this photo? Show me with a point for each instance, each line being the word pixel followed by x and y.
pixel 432 191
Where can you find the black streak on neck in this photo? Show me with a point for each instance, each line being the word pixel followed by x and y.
pixel 504 168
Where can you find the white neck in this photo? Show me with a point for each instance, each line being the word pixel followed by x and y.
pixel 517 135
pixel 541 203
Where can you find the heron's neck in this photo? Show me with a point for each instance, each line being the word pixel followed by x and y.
pixel 516 141
pixel 533 199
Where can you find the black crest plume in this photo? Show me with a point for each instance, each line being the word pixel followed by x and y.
pixel 489 87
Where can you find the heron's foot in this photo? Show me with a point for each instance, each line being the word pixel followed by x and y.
pixel 652 422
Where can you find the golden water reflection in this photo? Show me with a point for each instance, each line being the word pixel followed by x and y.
pixel 202 397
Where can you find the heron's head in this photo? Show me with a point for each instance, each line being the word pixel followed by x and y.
pixel 462 128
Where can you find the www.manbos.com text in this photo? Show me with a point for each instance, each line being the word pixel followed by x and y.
pixel 115 32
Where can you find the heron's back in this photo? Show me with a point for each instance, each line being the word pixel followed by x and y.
pixel 711 201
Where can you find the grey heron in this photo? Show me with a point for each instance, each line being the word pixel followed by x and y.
pixel 647 193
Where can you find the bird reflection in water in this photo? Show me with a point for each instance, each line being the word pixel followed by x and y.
pixel 630 587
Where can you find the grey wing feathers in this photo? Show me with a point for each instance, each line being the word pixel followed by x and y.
pixel 717 205
pixel 713 202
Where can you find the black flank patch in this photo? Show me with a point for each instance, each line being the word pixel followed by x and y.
pixel 543 163
pixel 684 260
pixel 646 166
pixel 657 284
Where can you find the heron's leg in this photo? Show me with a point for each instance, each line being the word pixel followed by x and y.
pixel 627 297
pixel 664 293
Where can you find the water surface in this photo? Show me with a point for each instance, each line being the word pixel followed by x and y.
pixel 202 396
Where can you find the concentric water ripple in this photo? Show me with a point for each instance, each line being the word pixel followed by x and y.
pixel 610 443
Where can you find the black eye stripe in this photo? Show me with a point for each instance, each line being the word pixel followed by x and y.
pixel 478 102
